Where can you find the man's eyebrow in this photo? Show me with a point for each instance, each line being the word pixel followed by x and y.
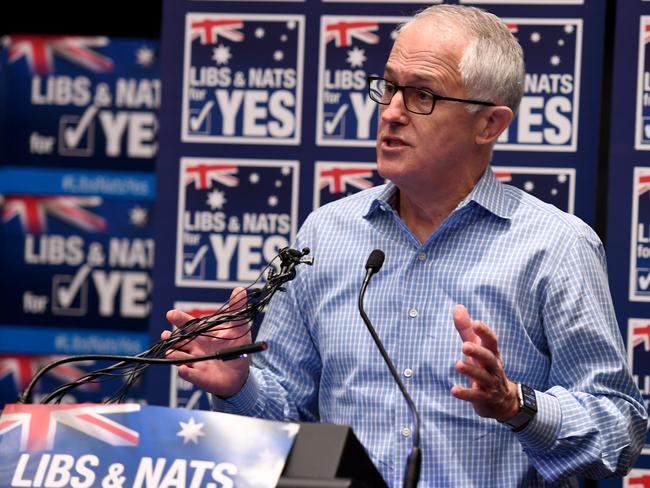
pixel 415 77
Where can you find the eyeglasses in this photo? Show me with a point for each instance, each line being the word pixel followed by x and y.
pixel 416 100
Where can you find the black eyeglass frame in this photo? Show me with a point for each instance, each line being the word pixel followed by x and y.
pixel 435 97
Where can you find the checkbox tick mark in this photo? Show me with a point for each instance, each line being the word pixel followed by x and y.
pixel 197 121
pixel 73 135
pixel 66 295
pixel 331 124
pixel 644 281
pixel 190 266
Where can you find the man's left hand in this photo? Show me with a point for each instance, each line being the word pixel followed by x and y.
pixel 491 392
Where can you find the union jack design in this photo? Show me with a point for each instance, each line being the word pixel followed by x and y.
pixel 23 368
pixel 208 30
pixel 202 175
pixel 33 210
pixel 39 423
pixel 641 335
pixel 646 29
pixel 337 178
pixel 637 480
pixel 513 27
pixel 342 32
pixel 503 176
pixel 39 51
pixel 644 184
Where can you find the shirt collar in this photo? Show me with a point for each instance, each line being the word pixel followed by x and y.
pixel 489 193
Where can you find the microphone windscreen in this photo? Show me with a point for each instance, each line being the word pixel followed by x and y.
pixel 375 260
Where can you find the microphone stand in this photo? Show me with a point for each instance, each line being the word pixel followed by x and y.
pixel 414 460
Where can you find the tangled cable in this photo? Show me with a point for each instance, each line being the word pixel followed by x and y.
pixel 132 367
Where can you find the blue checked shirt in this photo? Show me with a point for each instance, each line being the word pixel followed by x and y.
pixel 536 275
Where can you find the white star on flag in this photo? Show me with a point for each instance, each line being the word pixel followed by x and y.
pixel 278 55
pixel 259 32
pixel 145 56
pixel 356 57
pixel 555 60
pixel 138 216
pixel 191 431
pixel 221 54
pixel 216 199
pixel 535 37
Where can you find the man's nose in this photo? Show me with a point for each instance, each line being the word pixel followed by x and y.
pixel 395 111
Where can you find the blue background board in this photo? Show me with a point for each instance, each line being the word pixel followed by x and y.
pixel 629 208
pixel 564 81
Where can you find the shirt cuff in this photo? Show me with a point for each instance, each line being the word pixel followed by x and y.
pixel 542 431
pixel 242 403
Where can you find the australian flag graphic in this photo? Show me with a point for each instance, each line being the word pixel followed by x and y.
pixel 138 445
pixel 234 216
pixel 243 78
pixel 552 185
pixel 335 180
pixel 548 117
pixel 640 241
pixel 351 48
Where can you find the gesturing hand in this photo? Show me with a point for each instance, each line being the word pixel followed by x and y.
pixel 223 378
pixel 491 392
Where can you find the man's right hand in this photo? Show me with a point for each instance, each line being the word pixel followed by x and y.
pixel 222 378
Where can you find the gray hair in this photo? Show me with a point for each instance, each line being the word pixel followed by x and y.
pixel 492 65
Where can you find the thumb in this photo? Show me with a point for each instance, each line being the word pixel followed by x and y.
pixel 463 324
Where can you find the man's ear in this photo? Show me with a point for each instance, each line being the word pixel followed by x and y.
pixel 492 122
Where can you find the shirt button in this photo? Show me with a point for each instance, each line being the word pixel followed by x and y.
pixel 413 313
pixel 422 256
pixel 408 372
pixel 406 432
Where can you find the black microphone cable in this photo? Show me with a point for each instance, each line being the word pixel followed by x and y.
pixel 414 461
pixel 132 367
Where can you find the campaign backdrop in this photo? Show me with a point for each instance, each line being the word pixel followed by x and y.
pixel 77 188
pixel 256 115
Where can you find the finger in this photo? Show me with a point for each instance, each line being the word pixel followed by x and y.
pixel 463 324
pixel 473 395
pixel 179 354
pixel 487 335
pixel 238 300
pixel 178 317
pixel 476 374
pixel 188 373
pixel 165 334
pixel 483 356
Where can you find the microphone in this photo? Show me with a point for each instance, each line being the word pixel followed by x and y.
pixel 412 475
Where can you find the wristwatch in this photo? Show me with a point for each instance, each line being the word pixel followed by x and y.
pixel 527 408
